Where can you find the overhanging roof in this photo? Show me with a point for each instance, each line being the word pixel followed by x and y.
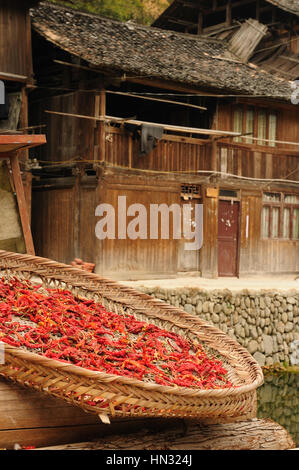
pixel 147 52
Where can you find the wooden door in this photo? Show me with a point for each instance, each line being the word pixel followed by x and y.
pixel 188 261
pixel 228 229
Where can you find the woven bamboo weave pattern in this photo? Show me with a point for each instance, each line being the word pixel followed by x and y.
pixel 125 396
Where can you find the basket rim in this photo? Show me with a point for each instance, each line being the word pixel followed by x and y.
pixel 94 375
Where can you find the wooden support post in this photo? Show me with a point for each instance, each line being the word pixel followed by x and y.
pixel 200 23
pixel 96 128
pixel 102 138
pixel 17 179
pixel 258 10
pixel 130 151
pixel 214 159
pixel 229 13
pixel 25 153
pixel 28 192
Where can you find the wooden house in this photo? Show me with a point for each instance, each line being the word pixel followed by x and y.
pixel 16 75
pixel 229 135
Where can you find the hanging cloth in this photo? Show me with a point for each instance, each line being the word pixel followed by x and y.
pixel 149 138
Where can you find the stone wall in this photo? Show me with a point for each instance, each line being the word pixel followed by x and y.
pixel 264 322
pixel 278 400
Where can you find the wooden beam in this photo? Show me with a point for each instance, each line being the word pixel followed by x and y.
pixel 29 59
pixel 186 4
pixel 229 13
pixel 255 434
pixel 17 179
pixel 167 85
pixel 214 155
pixel 180 22
pixel 27 141
pixel 13 77
pixel 25 153
pixel 200 23
pixel 169 127
pixel 240 3
pixel 258 10
pixel 102 138
pixel 130 152
pixel 30 417
pixel 292 59
pixel 178 103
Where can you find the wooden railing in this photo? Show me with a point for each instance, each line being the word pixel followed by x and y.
pixel 173 152
pixel 257 161
pixel 188 154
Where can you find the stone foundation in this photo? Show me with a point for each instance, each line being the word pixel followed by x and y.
pixel 264 322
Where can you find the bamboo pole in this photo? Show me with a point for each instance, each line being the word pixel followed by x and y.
pixel 188 105
pixel 169 127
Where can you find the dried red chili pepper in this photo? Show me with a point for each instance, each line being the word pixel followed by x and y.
pixel 61 326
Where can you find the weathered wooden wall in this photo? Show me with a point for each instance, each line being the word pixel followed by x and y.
pixel 258 255
pixel 67 138
pixel 15 39
pixel 31 418
pixel 132 257
pixel 64 209
pixel 258 162
pixel 63 220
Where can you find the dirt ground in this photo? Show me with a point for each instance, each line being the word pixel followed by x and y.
pixel 283 283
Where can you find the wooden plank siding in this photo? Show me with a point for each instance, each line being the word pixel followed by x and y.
pixel 53 225
pixel 68 138
pixel 135 257
pixel 15 57
pixel 258 161
pixel 64 213
pixel 209 251
pixel 173 152
pixel 263 256
pixel 32 418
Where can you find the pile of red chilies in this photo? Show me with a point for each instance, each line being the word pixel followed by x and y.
pixel 57 324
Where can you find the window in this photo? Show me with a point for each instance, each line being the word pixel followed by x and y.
pixel 190 191
pixel 228 193
pixel 257 124
pixel 280 216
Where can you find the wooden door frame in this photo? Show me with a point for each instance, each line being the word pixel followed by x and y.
pixel 238 249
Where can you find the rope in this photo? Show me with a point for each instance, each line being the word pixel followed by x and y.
pixel 190 172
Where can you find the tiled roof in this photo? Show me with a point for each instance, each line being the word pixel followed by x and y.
pixel 152 52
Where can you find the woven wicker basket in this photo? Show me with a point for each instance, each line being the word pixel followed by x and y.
pixel 126 396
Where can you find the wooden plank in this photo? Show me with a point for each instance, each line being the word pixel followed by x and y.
pixel 28 417
pixel 102 137
pixel 17 179
pixel 255 434
pixel 229 13
pixel 14 40
pixel 200 23
pixel 169 127
pixel 22 140
pixel 244 41
pixel 53 223
pixel 125 255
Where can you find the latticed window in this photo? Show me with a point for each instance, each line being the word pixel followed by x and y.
pixel 190 191
pixel 257 125
pixel 280 216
